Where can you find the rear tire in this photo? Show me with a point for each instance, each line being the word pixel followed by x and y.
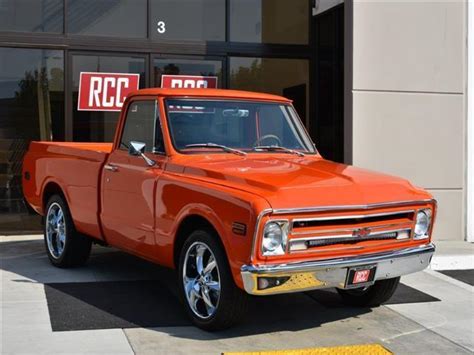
pixel 198 282
pixel 372 296
pixel 64 245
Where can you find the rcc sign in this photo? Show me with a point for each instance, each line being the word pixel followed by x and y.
pixel 105 91
pixel 188 82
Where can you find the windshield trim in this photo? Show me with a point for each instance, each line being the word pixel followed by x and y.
pixel 298 124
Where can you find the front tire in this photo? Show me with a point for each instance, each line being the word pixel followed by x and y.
pixel 212 300
pixel 372 296
pixel 64 246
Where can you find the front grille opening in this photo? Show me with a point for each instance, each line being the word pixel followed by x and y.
pixel 305 244
pixel 337 222
pixel 349 240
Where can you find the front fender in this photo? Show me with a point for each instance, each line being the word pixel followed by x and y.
pixel 179 198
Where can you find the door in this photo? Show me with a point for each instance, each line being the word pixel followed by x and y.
pixel 128 181
pixel 98 125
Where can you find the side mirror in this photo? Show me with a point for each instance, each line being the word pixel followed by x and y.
pixel 138 149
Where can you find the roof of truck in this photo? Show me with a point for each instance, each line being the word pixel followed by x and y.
pixel 212 93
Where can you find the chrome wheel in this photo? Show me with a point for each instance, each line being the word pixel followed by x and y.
pixel 55 230
pixel 201 280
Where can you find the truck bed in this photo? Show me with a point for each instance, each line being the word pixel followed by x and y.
pixel 76 169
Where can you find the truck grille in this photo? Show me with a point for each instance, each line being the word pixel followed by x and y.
pixel 311 233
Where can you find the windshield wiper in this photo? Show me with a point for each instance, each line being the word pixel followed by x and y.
pixel 275 148
pixel 214 145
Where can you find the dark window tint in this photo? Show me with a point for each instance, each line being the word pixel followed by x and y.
pixel 286 77
pixel 269 21
pixel 114 18
pixel 139 124
pixel 187 67
pixel 99 126
pixel 31 108
pixel 31 15
pixel 189 20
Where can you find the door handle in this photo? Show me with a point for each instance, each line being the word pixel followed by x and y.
pixel 110 167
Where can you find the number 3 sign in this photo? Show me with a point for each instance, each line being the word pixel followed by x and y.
pixel 161 27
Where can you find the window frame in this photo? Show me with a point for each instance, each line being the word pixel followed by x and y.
pixel 289 109
pixel 157 119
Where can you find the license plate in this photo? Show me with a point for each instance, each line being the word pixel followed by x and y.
pixel 360 276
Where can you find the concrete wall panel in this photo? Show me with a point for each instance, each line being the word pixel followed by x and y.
pixel 409 45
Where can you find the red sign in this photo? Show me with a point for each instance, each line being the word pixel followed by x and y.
pixel 361 276
pixel 105 91
pixel 188 82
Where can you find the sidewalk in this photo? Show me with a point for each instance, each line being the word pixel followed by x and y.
pixel 453 255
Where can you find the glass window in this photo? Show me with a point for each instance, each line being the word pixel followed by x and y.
pixel 187 67
pixel 99 126
pixel 113 18
pixel 31 108
pixel 188 20
pixel 269 21
pixel 248 126
pixel 285 77
pixel 140 124
pixel 31 15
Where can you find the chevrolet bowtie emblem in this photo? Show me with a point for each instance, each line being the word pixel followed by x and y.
pixel 361 232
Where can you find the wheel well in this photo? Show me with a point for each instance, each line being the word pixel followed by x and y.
pixel 51 189
pixel 187 226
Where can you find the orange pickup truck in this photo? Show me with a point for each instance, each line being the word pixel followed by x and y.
pixel 228 188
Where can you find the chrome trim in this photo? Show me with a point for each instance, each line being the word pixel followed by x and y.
pixel 408 225
pixel 110 167
pixel 361 216
pixel 350 207
pixel 285 231
pixel 267 211
pixel 347 235
pixel 332 272
pixel 347 238
pixel 257 227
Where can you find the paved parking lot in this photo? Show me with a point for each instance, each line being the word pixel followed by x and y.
pixel 120 304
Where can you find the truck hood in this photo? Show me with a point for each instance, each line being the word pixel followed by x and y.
pixel 288 181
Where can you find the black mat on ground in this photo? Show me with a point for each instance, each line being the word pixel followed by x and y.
pixel 118 304
pixel 466 276
pixel 403 294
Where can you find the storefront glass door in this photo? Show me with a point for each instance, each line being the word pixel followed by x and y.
pixel 99 126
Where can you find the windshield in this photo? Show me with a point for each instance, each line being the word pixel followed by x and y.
pixel 236 125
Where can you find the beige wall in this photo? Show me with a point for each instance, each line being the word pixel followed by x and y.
pixel 408 98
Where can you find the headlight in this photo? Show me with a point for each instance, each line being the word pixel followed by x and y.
pixel 422 226
pixel 274 238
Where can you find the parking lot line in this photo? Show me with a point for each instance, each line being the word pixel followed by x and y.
pixel 364 349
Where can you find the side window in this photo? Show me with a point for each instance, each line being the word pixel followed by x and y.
pixel 140 124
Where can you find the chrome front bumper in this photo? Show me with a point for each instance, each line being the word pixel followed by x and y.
pixel 306 276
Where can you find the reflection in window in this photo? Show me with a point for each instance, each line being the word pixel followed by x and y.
pixel 140 124
pixel 114 18
pixel 286 77
pixel 269 21
pixel 31 15
pixel 188 20
pixel 187 67
pixel 31 108
pixel 99 126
